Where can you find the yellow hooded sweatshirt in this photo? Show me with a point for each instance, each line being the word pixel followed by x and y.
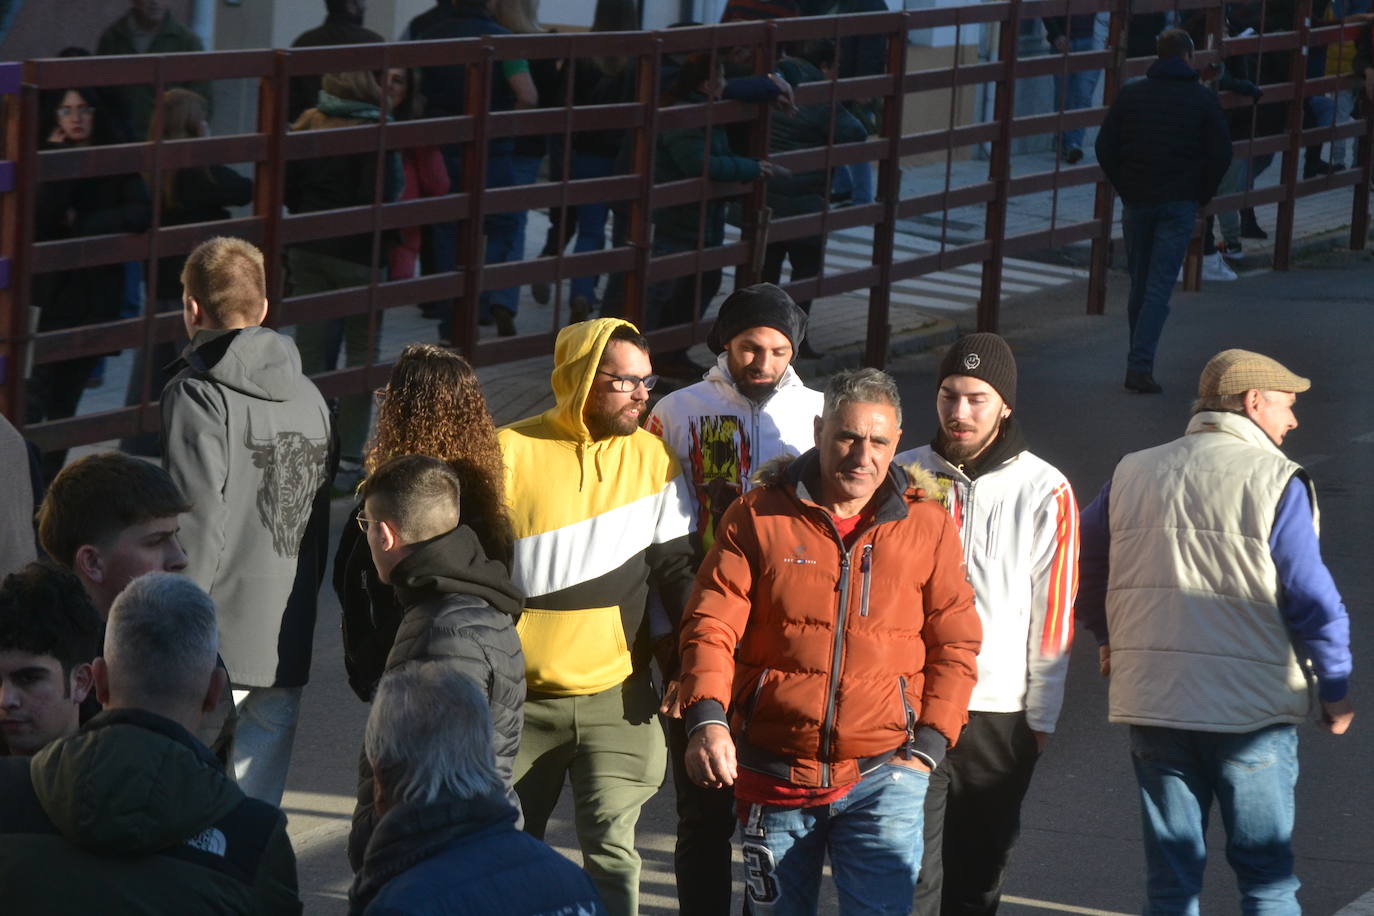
pixel 593 519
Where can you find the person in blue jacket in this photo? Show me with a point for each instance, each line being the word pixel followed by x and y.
pixel 446 842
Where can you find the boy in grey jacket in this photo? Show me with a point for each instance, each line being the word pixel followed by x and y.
pixel 248 437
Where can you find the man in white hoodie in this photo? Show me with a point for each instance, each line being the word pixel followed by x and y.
pixel 1019 523
pixel 749 408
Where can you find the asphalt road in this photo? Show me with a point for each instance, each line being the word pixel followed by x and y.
pixel 1080 850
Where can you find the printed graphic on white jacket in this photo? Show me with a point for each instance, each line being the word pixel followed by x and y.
pixel 721 437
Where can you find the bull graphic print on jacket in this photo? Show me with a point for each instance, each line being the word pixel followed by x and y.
pixel 292 466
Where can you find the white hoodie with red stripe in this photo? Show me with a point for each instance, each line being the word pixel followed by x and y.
pixel 1019 525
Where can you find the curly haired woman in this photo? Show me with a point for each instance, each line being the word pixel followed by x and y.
pixel 432 405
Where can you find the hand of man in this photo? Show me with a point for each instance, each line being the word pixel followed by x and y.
pixel 710 757
pixel 786 102
pixel 1041 739
pixel 1336 716
pixel 1104 660
pixel 913 762
pixel 1061 44
pixel 672 702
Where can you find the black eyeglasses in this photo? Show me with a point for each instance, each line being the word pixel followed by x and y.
pixel 627 383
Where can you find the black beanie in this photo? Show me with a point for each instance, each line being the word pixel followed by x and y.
pixel 762 305
pixel 983 356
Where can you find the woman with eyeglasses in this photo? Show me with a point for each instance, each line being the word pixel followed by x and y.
pixel 432 405
pixel 101 205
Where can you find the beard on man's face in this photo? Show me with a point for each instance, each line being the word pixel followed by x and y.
pixel 964 449
pixel 756 389
pixel 622 422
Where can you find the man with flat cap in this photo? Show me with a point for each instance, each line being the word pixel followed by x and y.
pixel 1203 581
pixel 1018 520
pixel 749 408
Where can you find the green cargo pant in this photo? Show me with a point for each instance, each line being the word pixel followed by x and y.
pixel 612 746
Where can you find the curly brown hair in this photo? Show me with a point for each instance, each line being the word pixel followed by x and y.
pixel 433 405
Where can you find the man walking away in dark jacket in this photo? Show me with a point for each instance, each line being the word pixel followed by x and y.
pixel 249 435
pixel 446 840
pixel 343 25
pixel 460 606
pixel 1165 147
pixel 132 811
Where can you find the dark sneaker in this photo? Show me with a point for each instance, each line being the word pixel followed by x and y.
pixel 1142 383
pixel 1250 227
pixel 504 319
pixel 1315 168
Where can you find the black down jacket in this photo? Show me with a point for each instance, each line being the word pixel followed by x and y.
pixel 461 607
pixel 1165 138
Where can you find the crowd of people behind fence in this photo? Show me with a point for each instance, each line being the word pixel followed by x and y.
pixel 833 648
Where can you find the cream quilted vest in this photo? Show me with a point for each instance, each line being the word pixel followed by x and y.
pixel 1198 640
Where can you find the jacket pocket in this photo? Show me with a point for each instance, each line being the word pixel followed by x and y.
pixel 992 533
pixel 908 713
pixel 573 653
pixel 753 702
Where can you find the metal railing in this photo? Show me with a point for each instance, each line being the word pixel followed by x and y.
pixel 272 146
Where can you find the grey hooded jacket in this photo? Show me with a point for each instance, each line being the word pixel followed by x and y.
pixel 248 438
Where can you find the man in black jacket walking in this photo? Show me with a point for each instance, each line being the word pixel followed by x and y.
pixel 460 606
pixel 1165 147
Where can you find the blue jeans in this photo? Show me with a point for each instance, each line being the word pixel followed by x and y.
pixel 1077 94
pixel 591 219
pixel 505 231
pixel 1251 776
pixel 261 752
pixel 874 838
pixel 1156 242
pixel 861 183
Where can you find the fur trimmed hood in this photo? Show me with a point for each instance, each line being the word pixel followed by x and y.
pixel 918 479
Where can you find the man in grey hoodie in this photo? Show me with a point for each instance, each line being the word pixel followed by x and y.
pixel 248 436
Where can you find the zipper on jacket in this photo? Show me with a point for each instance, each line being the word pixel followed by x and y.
pixel 755 444
pixel 968 523
pixel 754 700
pixel 865 572
pixel 836 655
pixel 910 717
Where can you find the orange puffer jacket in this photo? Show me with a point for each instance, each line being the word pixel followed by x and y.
pixel 829 660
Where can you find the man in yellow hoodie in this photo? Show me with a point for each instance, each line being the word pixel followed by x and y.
pixel 601 511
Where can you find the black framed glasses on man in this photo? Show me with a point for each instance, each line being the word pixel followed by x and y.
pixel 627 383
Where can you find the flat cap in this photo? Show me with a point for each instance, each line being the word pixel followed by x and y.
pixel 1238 371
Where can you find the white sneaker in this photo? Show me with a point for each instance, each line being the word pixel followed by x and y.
pixel 1215 268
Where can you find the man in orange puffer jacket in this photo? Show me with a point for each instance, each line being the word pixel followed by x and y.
pixel 833 619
